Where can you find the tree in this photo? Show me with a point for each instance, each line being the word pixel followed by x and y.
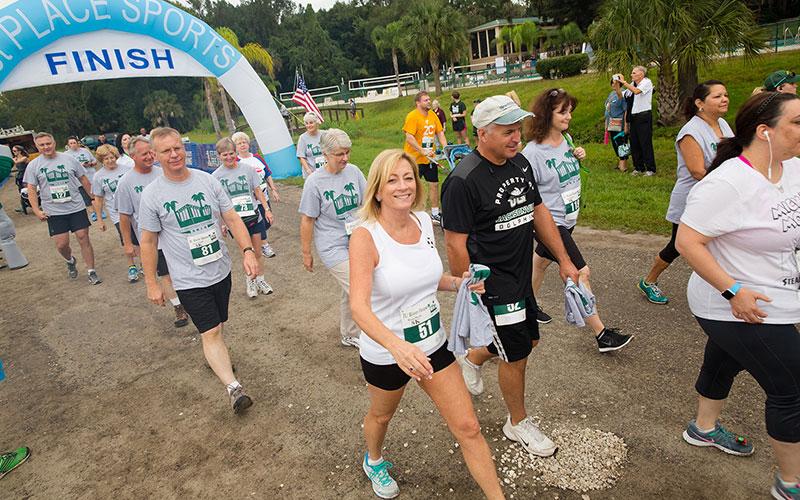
pixel 389 38
pixel 169 205
pixel 160 106
pixel 570 35
pixel 686 34
pixel 434 33
pixel 528 34
pixel 504 40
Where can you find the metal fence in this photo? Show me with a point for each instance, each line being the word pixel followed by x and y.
pixel 783 33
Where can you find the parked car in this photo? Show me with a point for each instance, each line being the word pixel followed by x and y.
pixel 93 141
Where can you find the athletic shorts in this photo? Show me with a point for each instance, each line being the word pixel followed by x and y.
pixel 161 266
pixel 207 307
pixel 569 243
pixel 459 125
pixel 267 225
pixel 60 224
pixel 86 198
pixel 258 228
pixel 134 239
pixel 391 377
pixel 428 171
pixel 514 341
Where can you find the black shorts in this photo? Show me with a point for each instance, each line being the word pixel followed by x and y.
pixel 207 307
pixel 134 239
pixel 161 266
pixel 569 243
pixel 391 377
pixel 459 125
pixel 428 171
pixel 60 224
pixel 267 225
pixel 86 198
pixel 514 341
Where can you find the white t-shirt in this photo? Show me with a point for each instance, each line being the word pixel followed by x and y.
pixel 404 285
pixel 643 101
pixel 755 226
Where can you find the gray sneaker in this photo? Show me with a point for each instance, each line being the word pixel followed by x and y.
pixel 94 279
pixel 240 401
pixel 782 492
pixel 72 268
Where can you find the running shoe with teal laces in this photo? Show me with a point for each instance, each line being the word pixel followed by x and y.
pixel 13 459
pixel 133 274
pixel 720 438
pixel 653 293
pixel 783 492
pixel 382 483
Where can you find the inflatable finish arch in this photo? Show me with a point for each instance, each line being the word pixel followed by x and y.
pixel 45 42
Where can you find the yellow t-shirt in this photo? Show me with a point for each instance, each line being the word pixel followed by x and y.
pixel 424 129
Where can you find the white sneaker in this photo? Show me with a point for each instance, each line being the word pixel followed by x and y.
pixel 530 437
pixel 267 251
pixel 263 286
pixel 382 483
pixel 472 376
pixel 350 342
pixel 252 290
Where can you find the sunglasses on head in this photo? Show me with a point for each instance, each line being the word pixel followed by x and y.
pixel 789 74
pixel 555 92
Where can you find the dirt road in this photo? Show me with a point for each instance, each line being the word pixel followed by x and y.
pixel 116 403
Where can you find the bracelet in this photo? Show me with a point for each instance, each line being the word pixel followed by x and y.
pixel 732 291
pixel 245 249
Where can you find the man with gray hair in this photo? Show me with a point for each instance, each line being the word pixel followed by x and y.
pixel 491 208
pixel 128 198
pixel 58 177
pixel 641 128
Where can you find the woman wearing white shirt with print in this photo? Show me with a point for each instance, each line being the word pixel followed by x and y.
pixel 740 232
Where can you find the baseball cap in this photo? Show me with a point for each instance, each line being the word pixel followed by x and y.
pixel 499 109
pixel 778 78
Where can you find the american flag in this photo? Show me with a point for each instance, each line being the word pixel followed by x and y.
pixel 303 97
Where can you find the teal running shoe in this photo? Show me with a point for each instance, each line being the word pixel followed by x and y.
pixel 382 483
pixel 720 438
pixel 653 293
pixel 782 492
pixel 13 459
pixel 133 274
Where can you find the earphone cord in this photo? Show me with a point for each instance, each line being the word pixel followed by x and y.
pixel 769 167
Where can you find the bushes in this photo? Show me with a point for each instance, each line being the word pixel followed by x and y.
pixel 559 67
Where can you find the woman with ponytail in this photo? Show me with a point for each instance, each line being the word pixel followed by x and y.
pixel 740 232
pixel 696 146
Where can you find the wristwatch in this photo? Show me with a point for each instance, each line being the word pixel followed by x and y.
pixel 731 292
pixel 245 249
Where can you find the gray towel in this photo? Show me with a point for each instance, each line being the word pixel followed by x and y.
pixel 472 325
pixel 578 303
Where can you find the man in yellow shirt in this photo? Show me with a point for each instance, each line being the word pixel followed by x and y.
pixel 420 127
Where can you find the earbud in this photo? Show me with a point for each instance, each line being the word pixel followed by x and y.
pixel 766 134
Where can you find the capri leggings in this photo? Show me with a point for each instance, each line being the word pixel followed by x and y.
pixel 669 253
pixel 771 354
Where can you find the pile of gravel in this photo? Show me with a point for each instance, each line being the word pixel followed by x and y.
pixel 587 459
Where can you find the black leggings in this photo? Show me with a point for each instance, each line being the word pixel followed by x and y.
pixel 669 253
pixel 771 354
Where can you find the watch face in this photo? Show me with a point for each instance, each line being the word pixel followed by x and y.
pixel 728 294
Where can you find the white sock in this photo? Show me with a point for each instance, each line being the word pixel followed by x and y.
pixel 71 260
pixel 260 277
pixel 434 210
pixel 89 271
pixel 470 363
pixel 232 386
pixel 264 245
pixel 175 302
pixel 787 484
pixel 372 462
pixel 706 431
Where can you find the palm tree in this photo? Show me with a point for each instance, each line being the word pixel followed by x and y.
pixel 242 179
pixel 434 32
pixel 328 195
pixel 255 55
pixel 528 34
pixel 686 34
pixel 504 40
pixel 199 198
pixel 389 38
pixel 350 188
pixel 160 106
pixel 170 205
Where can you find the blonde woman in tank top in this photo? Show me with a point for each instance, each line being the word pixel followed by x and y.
pixel 395 272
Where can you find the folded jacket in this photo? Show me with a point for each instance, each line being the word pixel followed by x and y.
pixel 578 303
pixel 471 326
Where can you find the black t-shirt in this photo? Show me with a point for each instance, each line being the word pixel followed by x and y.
pixel 457 108
pixel 493 205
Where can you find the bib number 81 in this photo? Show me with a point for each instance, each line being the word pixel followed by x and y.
pixel 206 250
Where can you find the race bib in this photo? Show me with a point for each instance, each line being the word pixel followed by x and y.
pixel 60 193
pixel 427 144
pixel 572 203
pixel 244 205
pixel 509 314
pixel 350 226
pixel 421 321
pixel 205 246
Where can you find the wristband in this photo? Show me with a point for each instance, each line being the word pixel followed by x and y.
pixel 731 292
pixel 245 249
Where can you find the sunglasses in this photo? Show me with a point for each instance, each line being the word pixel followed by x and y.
pixel 789 74
pixel 555 92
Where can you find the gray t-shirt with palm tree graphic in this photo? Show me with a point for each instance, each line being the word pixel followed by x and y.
pixel 129 194
pixel 241 182
pixel 105 185
pixel 186 216
pixel 332 200
pixel 58 180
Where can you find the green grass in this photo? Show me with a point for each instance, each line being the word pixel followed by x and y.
pixel 612 200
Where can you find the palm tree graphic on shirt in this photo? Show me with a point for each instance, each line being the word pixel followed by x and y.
pixel 190 214
pixel 344 202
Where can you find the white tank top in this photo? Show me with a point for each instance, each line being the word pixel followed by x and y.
pixel 404 285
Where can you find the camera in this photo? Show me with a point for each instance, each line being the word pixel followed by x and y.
pixel 616 77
